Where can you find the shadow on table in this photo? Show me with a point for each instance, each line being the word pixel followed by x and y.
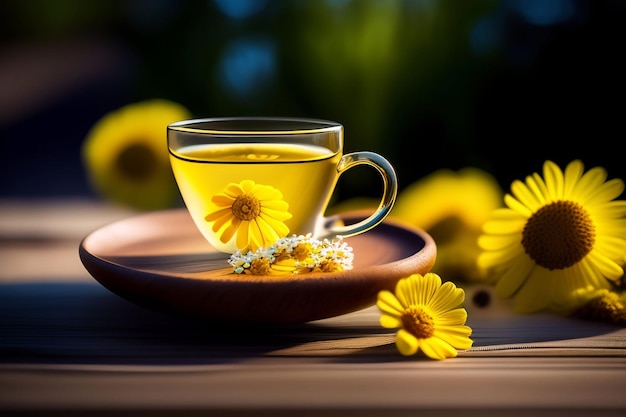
pixel 84 323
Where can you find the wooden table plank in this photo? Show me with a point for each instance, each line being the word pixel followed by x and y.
pixel 69 346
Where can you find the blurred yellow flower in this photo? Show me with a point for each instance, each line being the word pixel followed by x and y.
pixel 452 207
pixel 599 305
pixel 558 234
pixel 253 214
pixel 429 315
pixel 126 158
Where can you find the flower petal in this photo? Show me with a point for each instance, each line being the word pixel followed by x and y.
pixel 436 348
pixel 418 289
pixel 227 234
pixel 242 238
pixel 457 336
pixel 447 297
pixel 515 276
pixel 390 322
pixel 246 186
pixel 222 200
pixel 455 317
pixel 517 207
pixel 255 236
pixel 233 190
pixel 406 343
pixel 554 180
pixel 220 217
pixel 388 303
pixel 276 214
pixel 607 267
pixel 268 234
pixel 524 195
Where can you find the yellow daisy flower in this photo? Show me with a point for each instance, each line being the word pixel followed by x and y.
pixel 558 234
pixel 452 207
pixel 429 315
pixel 252 214
pixel 125 155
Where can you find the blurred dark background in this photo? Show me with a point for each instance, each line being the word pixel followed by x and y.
pixel 500 85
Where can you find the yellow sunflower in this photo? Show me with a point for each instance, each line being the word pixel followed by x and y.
pixel 429 315
pixel 251 214
pixel 558 234
pixel 452 207
pixel 125 155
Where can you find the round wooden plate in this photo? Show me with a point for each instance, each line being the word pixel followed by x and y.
pixel 160 260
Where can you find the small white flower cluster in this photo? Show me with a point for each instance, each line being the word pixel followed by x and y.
pixel 302 253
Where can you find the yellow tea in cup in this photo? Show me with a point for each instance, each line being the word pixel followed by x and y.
pixel 249 181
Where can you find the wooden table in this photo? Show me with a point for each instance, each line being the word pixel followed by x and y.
pixel 68 346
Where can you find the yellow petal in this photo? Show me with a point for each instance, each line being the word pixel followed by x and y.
pixel 555 183
pixel 390 322
pixel 222 200
pixel 268 234
pixel 504 221
pixel 267 193
pixel 604 192
pixel 607 267
pixel 247 186
pixel 523 194
pixel 233 190
pixel 537 187
pixel 388 303
pixel 447 297
pixel 612 247
pixel 537 291
pixel 573 173
pixel 242 241
pixel 455 317
pixel 255 237
pixel 517 207
pixel 455 336
pixel 495 242
pixel 220 217
pixel 515 276
pixel 436 348
pixel 406 343
pixel 228 233
pixel 276 214
pixel 418 289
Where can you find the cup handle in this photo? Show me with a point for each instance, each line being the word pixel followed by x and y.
pixel 390 191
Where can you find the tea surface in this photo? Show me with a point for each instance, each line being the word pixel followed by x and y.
pixel 305 176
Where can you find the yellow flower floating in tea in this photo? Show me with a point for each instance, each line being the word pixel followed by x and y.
pixel 559 233
pixel 428 314
pixel 126 159
pixel 295 255
pixel 252 214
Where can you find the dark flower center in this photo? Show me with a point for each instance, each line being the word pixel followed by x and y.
pixel 260 266
pixel 559 235
pixel 246 207
pixel 417 322
pixel 136 162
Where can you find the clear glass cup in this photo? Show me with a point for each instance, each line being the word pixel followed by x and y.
pixel 249 181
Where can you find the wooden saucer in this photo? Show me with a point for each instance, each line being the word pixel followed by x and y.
pixel 160 260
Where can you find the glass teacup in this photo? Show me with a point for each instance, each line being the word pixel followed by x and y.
pixel 248 182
